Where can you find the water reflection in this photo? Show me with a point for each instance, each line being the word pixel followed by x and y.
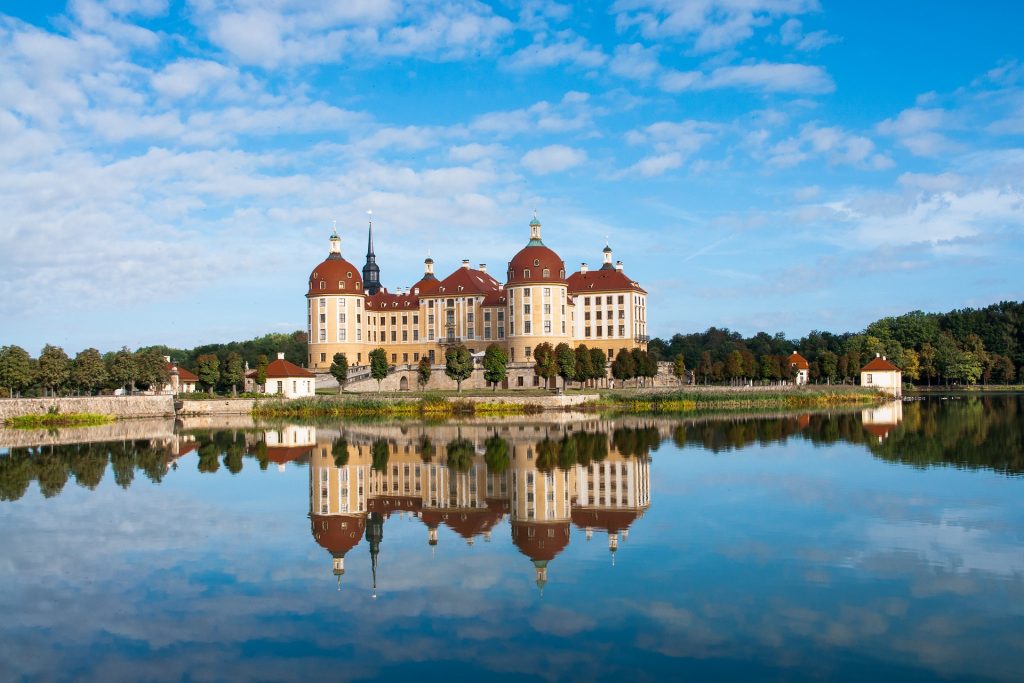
pixel 968 432
pixel 471 477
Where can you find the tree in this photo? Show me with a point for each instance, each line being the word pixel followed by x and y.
pixel 460 455
pixel 911 365
pixel 88 372
pixel 734 365
pixel 598 364
pixel 378 365
pixel 623 367
pixel 706 366
pixel 458 364
pixel 770 368
pixel 1004 370
pixel 584 365
pixel 496 454
pixel 234 371
pixel 339 370
pixel 679 367
pixel 54 368
pixel 829 364
pixel 639 364
pixel 151 369
pixel 565 359
pixel 261 371
pixel 495 365
pixel 379 455
pixel 545 366
pixel 15 369
pixel 749 364
pixel 423 371
pixel 121 369
pixel 926 357
pixel 208 370
pixel 966 368
pixel 339 449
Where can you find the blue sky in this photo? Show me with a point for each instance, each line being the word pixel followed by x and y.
pixel 169 171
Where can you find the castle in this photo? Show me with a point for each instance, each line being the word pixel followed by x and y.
pixel 350 312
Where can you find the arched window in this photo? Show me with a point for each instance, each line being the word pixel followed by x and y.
pixel 323 285
pixel 526 272
pixel 561 274
pixel 547 273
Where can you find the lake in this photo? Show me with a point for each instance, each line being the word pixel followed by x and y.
pixel 886 543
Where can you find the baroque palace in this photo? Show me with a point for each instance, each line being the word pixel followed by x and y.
pixel 350 312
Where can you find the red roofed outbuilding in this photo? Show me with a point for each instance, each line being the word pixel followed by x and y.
pixel 882 374
pixel 285 379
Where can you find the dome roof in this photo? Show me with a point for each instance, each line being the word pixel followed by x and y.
pixel 337 533
pixel 529 264
pixel 540 540
pixel 335 276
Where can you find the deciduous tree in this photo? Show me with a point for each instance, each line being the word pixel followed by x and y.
pixel 458 364
pixel 54 369
pixel 121 369
pixel 544 364
pixel 423 371
pixel 88 372
pixel 565 358
pixel 15 369
pixel 208 370
pixel 495 365
pixel 679 367
pixel 378 365
pixel 339 370
pixel 234 371
pixel 584 366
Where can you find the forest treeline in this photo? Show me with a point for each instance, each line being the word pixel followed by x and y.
pixel 963 346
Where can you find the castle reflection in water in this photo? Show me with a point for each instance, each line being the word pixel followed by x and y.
pixel 543 478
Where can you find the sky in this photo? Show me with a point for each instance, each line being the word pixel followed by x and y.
pixel 170 171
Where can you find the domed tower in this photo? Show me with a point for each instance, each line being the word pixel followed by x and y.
pixel 538 301
pixel 335 302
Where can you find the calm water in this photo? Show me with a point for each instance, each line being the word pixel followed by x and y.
pixel 888 544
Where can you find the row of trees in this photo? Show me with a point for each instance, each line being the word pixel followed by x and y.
pixel 964 346
pixel 88 373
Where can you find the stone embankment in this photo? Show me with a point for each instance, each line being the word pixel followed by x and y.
pixel 216 406
pixel 150 428
pixel 121 407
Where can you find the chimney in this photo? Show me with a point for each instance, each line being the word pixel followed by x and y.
pixel 483 267
pixel 501 287
pixel 280 355
pixel 619 266
pixel 583 268
pixel 465 263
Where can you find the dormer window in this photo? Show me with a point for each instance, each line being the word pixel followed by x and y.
pixel 536 261
pixel 460 288
pixel 323 285
pixel 526 272
pixel 349 275
pixel 561 274
pixel 547 273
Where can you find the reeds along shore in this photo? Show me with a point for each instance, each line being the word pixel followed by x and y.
pixel 678 402
pixel 50 420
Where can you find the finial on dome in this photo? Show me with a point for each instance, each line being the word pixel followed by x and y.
pixel 335 242
pixel 535 231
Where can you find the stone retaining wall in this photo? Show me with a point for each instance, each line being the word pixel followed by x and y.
pixel 150 428
pixel 121 407
pixel 217 406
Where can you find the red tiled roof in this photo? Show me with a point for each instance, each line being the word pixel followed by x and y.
pixel 535 259
pixel 879 364
pixel 426 286
pixel 388 301
pixel 283 454
pixel 470 280
pixel 879 430
pixel 279 368
pixel 496 298
pixel 470 523
pixel 183 374
pixel 798 361
pixel 612 521
pixel 335 538
pixel 333 273
pixel 540 546
pixel 605 280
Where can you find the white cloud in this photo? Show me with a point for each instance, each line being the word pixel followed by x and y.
pixel 791 34
pixel 710 24
pixel 833 143
pixel 916 129
pixel 566 48
pixel 635 62
pixel 769 77
pixel 552 159
pixel 807 193
pixel 192 77
pixel 476 152
pixel 656 165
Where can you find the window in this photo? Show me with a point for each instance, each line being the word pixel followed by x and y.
pixel 528 351
pixel 621 299
pixel 586 301
pixel 430 335
pixel 526 291
pixel 519 381
pixel 394 320
pixel 526 309
pixel 405 320
pixel 487 316
pixel 526 273
pixel 415 320
pixel 349 275
pixel 511 328
pixel 622 330
pixel 546 273
pixel 430 319
pixel 622 315
pixel 394 358
pixel 359 335
pixel 586 315
pixel 405 359
pixel 341 334
pixel 608 300
pixel 547 292
pixel 359 303
pixel 586 331
pixel 469 333
pixel 536 261
pixel 501 333
pixel 487 333
pixel 415 335
pixel 610 331
pixel 870 379
pixel 394 336
pixel 547 327
pixel 323 357
pixel 501 316
pixel 598 315
pixel 527 327
pixel 547 309
pixel 341 318
pixel 323 335
pixel 469 317
pixel 405 335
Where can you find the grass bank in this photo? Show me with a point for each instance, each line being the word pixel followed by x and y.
pixel 704 401
pixel 427 407
pixel 51 420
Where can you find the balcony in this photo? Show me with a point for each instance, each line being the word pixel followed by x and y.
pixel 449 341
pixel 642 338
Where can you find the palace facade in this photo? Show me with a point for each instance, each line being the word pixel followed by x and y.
pixel 350 312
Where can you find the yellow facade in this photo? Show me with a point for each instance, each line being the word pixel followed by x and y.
pixel 535 305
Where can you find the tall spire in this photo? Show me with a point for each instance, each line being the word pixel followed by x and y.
pixel 371 271
pixel 374 534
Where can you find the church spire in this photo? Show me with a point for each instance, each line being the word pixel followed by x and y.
pixel 371 271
